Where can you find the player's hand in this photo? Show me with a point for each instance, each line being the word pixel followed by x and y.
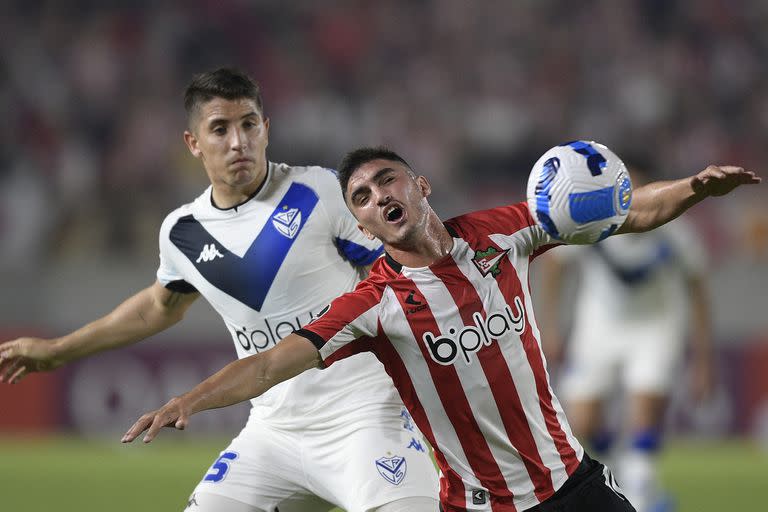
pixel 173 414
pixel 719 180
pixel 25 355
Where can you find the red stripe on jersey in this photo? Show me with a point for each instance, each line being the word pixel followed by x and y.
pixel 362 344
pixel 499 379
pixel 347 308
pixel 513 217
pixel 451 484
pixel 510 287
pixel 454 402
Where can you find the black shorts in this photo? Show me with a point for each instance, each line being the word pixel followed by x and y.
pixel 590 488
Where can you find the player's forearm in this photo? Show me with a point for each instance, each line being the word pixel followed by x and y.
pixel 252 376
pixel 659 202
pixel 238 381
pixel 134 320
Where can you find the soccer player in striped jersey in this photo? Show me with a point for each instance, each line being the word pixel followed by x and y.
pixel 268 245
pixel 448 312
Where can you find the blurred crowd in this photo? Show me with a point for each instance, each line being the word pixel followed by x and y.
pixel 470 92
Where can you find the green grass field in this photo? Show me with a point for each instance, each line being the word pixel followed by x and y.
pixel 76 475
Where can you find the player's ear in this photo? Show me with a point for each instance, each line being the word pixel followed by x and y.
pixel 191 141
pixel 424 186
pixel 365 232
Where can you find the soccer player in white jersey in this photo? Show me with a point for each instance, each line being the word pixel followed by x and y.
pixel 266 245
pixel 448 312
pixel 634 297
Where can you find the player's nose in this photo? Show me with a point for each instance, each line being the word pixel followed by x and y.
pixel 238 141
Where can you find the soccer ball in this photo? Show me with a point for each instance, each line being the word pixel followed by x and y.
pixel 579 192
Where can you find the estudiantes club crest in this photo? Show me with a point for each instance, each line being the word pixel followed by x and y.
pixel 487 261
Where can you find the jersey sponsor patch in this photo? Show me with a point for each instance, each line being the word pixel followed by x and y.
pixel 392 469
pixel 247 279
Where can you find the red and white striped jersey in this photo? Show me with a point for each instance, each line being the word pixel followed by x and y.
pixel 461 344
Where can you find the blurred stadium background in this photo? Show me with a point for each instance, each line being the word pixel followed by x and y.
pixel 91 160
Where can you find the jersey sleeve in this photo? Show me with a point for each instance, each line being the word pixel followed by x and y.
pixel 167 273
pixel 352 244
pixel 348 326
pixel 513 223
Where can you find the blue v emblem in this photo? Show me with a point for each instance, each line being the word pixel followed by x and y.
pixel 393 469
pixel 248 279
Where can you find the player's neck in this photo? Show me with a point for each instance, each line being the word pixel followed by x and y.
pixel 225 196
pixel 431 244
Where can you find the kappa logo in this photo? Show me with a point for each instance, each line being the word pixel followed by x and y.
pixel 287 222
pixel 192 501
pixel 209 253
pixel 416 445
pixel 487 261
pixel 392 469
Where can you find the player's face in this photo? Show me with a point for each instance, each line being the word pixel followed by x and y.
pixel 230 137
pixel 388 201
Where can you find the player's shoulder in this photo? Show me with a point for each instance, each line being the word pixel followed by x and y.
pixel 194 207
pixel 315 176
pixel 501 219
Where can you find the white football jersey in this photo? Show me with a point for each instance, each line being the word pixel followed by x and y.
pixel 270 265
pixel 637 278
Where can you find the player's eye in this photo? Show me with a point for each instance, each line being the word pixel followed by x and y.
pixel 220 130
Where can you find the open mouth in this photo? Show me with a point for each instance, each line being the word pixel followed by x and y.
pixel 394 213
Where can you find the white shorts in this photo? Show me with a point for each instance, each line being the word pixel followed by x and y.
pixel 643 358
pixel 377 457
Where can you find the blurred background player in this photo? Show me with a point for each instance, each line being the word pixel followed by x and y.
pixel 637 298
pixel 268 245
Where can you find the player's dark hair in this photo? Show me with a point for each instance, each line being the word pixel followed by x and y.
pixel 227 83
pixel 355 159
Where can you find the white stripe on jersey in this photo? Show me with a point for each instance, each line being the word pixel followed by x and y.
pixel 483 407
pixel 444 434
pixel 522 272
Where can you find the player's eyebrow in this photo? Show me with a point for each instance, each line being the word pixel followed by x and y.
pixel 365 188
pixel 223 120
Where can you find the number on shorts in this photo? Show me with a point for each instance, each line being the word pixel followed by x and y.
pixel 220 467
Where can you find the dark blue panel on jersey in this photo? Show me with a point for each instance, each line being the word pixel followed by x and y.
pixel 247 279
pixel 358 255
pixel 633 275
pixel 592 205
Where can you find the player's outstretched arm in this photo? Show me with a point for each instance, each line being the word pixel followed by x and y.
pixel 659 202
pixel 238 381
pixel 150 311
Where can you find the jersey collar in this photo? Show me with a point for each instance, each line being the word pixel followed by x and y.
pixel 255 193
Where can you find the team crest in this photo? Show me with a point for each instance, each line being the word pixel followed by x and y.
pixel 393 469
pixel 487 262
pixel 287 222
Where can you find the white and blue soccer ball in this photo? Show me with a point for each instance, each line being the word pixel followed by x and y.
pixel 579 192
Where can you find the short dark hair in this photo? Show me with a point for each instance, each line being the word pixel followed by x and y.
pixel 227 83
pixel 353 160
